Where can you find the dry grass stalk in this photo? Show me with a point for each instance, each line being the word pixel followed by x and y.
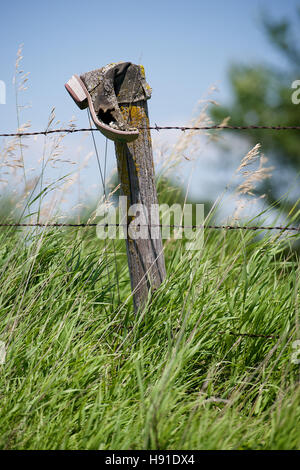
pixel 252 178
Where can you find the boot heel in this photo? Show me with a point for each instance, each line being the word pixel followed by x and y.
pixel 77 92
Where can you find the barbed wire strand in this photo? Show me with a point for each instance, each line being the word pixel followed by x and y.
pixel 214 227
pixel 248 335
pixel 156 128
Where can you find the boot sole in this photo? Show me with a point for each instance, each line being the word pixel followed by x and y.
pixel 78 91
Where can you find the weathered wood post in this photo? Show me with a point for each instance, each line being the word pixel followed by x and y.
pixel 136 173
pixel 116 96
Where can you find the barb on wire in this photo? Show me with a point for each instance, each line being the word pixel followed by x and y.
pixel 156 128
pixel 248 335
pixel 214 227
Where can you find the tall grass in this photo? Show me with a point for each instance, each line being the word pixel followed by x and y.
pixel 82 371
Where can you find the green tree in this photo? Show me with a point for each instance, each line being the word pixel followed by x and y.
pixel 262 95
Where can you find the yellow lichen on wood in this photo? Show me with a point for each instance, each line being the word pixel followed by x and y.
pixel 136 115
pixel 142 71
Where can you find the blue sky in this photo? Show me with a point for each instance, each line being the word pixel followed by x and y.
pixel 185 46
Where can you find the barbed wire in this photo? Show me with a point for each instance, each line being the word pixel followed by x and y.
pixel 214 227
pixel 156 128
pixel 249 335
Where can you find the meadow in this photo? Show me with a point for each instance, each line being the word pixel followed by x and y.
pixel 211 362
pixel 82 371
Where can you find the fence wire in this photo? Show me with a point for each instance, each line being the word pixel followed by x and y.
pixel 156 128
pixel 248 335
pixel 213 227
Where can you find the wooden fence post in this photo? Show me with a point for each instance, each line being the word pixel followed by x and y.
pixel 136 174
pixel 116 96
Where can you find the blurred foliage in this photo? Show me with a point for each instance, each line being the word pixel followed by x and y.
pixel 262 95
pixel 10 211
pixel 169 192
